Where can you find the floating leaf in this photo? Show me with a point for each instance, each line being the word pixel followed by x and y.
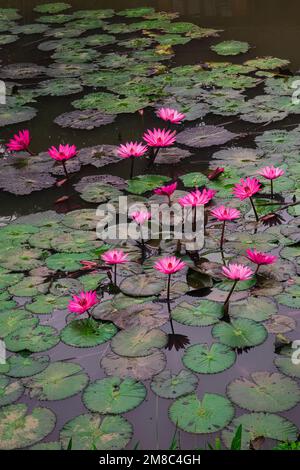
pixel 253 308
pixel 206 313
pixel 113 395
pixel 87 333
pixel 58 381
pixel 11 320
pixel 99 192
pixel 139 368
pixel 231 47
pixel 10 390
pixel 92 431
pixel 142 285
pixel 280 324
pixel 34 339
pixel 264 391
pixel 20 71
pixel 144 183
pixel 19 429
pixel 31 285
pixel 26 366
pixel 138 342
pixel 111 104
pixel 257 425
pixel 169 385
pixel 205 136
pixel 240 333
pixel 53 7
pixel 193 415
pixel 87 119
pixel 203 359
pixel 9 115
pixel 267 63
pixel 67 261
pixel 45 304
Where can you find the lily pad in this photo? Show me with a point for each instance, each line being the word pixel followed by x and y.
pixel 35 339
pixel 67 261
pixel 264 391
pixel 26 366
pixel 58 381
pixel 142 285
pixel 138 342
pixel 240 333
pixel 21 71
pixel 205 136
pixel 87 119
pixel 139 368
pixel 231 47
pixel 20 429
pixel 111 104
pixel 201 416
pixel 286 366
pixel 203 359
pixel 144 183
pixel 267 63
pixel 280 324
pixel 113 395
pixel 53 7
pixel 99 192
pixel 10 390
pixel 92 431
pixel 205 313
pixel 253 308
pixel 59 87
pixel 31 285
pixel 257 425
pixel 169 385
pixel 9 115
pixel 45 304
pixel 87 333
pixel 11 320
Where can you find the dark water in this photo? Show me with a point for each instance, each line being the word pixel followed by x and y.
pixel 273 28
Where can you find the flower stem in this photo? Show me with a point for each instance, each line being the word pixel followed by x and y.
pixel 131 167
pixel 168 293
pixel 230 293
pixel 65 169
pixel 256 271
pixel 254 210
pixel 272 190
pixel 30 152
pixel 115 274
pixel 222 236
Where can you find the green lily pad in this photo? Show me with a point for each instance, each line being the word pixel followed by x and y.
pixel 144 183
pixel 58 381
pixel 99 192
pixel 113 395
pixel 11 320
pixel 26 366
pixel 34 28
pixel 286 366
pixel 264 391
pixel 92 431
pixel 59 87
pixel 65 286
pixel 44 304
pixel 231 47
pixel 21 429
pixel 9 279
pixel 31 285
pixel 169 385
pixel 87 333
pixel 10 390
pixel 20 259
pixel 139 368
pixel 257 425
pixel 68 262
pixel 203 359
pixel 240 333
pixel 136 12
pixel 206 313
pixel 267 63
pixel 253 308
pixel 82 219
pixel 142 285
pixel 110 103
pixel 34 339
pixel 77 241
pixel 138 342
pixel 53 7
pixel 92 281
pixel 197 416
pixel 58 18
pixel 194 180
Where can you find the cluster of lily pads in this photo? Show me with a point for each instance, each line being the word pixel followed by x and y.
pixel 50 261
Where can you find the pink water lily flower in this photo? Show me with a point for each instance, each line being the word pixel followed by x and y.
pixel 132 149
pixel 167 190
pixel 271 172
pixel 237 272
pixel 20 141
pixel 216 173
pixel 260 258
pixel 246 188
pixel 115 257
pixel 140 216
pixel 63 152
pixel 83 302
pixel 225 213
pixel 170 114
pixel 159 137
pixel 169 265
pixel 197 198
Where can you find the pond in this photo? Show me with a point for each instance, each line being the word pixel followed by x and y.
pixel 176 347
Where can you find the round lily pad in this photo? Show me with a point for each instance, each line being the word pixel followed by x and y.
pixel 77 241
pixel 9 279
pixel 67 261
pixel 10 390
pixel 197 416
pixel 15 115
pixel 138 342
pixel 59 87
pixel 287 367
pixel 142 285
pixel 44 304
pixel 26 366
pixel 53 7
pixel 143 183
pixel 280 324
pixel 114 395
pixel 267 63
pixel 253 308
pixel 87 333
pixel 203 359
pixel 264 391
pixel 86 119
pixel 255 425
pixel 139 368
pixel 92 431
pixel 34 339
pixel 58 381
pixel 31 285
pixel 206 313
pixel 99 192
pixel 20 429
pixel 240 333
pixel 11 320
pixel 20 259
pixel 205 136
pixel 169 385
pixel 231 47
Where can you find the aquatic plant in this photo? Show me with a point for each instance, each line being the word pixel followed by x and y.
pixel 132 150
pixel 113 258
pixel 157 139
pixel 62 154
pixel 246 189
pixel 20 141
pixel 271 173
pixel 260 258
pixel 83 302
pixel 225 214
pixel 236 273
pixel 171 115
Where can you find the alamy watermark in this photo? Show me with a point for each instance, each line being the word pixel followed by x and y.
pixel 2 92
pixel 166 222
pixel 2 352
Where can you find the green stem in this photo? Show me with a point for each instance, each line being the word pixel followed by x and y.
pixel 254 210
pixel 222 236
pixel 115 274
pixel 65 168
pixel 272 190
pixel 230 293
